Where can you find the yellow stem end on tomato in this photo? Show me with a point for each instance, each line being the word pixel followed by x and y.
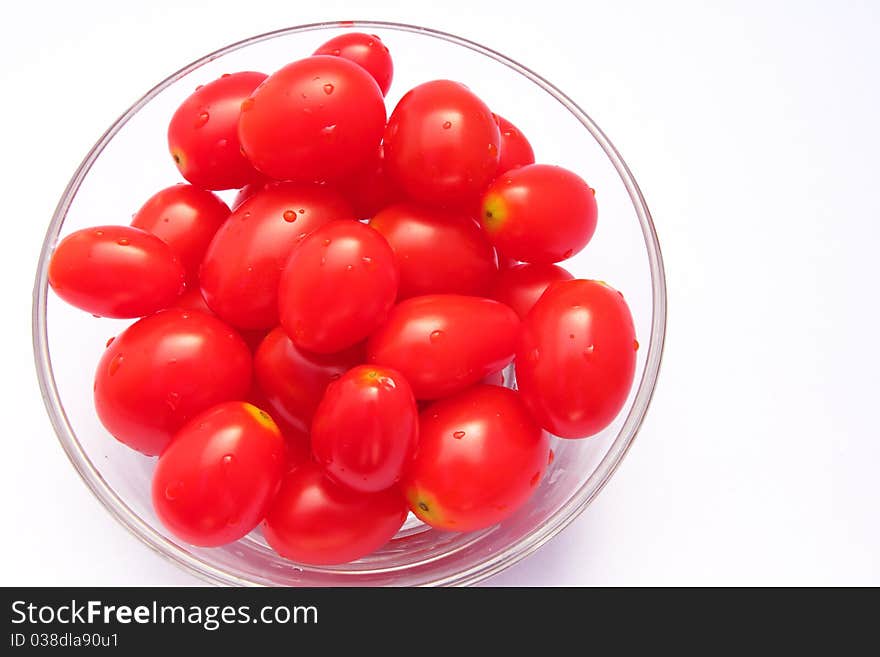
pixel 262 417
pixel 179 159
pixel 494 212
pixel 426 509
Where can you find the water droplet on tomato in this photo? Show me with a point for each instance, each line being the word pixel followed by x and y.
pixel 201 119
pixel 326 242
pixel 228 460
pixel 436 336
pixel 458 435
pixel 447 125
pixel 289 216
pixel 115 364
pixel 367 260
pixel 387 383
pixel 99 233
pixel 109 342
pixel 172 400
pixel 349 267
pixel 568 254
pixel 200 87
pixel 551 457
pixel 328 131
pixel 588 352
pixel 328 88
pixel 336 51
pixel 226 75
pixel 636 344
pixel 122 241
pixel 173 491
pixel 571 336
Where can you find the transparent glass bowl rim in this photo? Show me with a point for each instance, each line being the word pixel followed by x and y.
pixel 475 573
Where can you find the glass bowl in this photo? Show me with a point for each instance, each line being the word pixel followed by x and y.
pixel 130 162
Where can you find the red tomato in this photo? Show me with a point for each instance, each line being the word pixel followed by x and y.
pixel 366 428
pixel 185 218
pixel 539 213
pixel 505 262
pixel 314 520
pixel 441 144
pixel 192 299
pixel 371 189
pixel 365 50
pixel 480 457
pixel 443 343
pixel 337 287
pixel 253 339
pixel 165 369
pixel 297 442
pixel 516 151
pixel 437 251
pixel 318 119
pixel 293 381
pixel 576 357
pixel 299 446
pixel 243 263
pixel 214 482
pixel 247 191
pixel 116 271
pixel 495 378
pixel 521 286
pixel 203 134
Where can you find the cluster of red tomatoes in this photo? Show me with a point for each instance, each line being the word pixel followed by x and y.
pixel 328 354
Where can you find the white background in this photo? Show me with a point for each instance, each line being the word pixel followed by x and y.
pixel 753 129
